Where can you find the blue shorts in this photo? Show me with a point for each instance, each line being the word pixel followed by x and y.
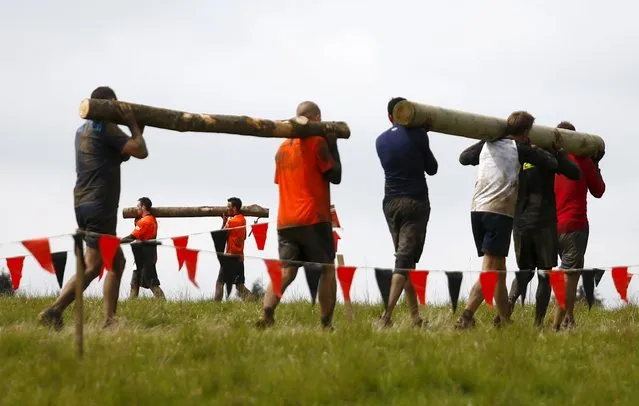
pixel 492 233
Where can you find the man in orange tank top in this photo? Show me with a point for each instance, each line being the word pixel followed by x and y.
pixel 233 268
pixel 303 170
pixel 146 228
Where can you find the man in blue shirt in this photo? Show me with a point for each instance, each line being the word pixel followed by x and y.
pixel 405 155
pixel 100 149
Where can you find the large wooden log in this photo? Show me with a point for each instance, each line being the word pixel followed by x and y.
pixel 487 128
pixel 298 127
pixel 200 211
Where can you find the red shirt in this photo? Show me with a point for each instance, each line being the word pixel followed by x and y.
pixel 571 195
pixel 305 197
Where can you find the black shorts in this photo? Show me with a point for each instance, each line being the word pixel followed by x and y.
pixel 536 248
pixel 231 271
pixel 93 218
pixel 407 220
pixel 145 275
pixel 572 249
pixel 312 243
pixel 491 232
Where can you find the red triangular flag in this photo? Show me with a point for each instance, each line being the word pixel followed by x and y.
pixel 108 247
pixel 345 276
pixel 558 284
pixel 259 233
pixel 101 271
pixel 629 278
pixel 15 269
pixel 418 279
pixel 42 252
pixel 488 281
pixel 178 243
pixel 334 219
pixel 620 278
pixel 190 259
pixel 274 268
pixel 336 237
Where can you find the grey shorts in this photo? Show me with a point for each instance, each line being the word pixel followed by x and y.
pixel 312 243
pixel 407 220
pixel 572 249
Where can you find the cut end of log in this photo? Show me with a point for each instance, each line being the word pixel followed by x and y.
pixel 301 120
pixel 403 112
pixel 84 108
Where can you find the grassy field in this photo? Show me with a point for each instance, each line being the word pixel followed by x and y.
pixel 204 353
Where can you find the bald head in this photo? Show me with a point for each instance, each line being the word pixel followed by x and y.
pixel 309 110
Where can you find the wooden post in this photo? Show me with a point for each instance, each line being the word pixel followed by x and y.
pixel 80 268
pixel 479 127
pixel 298 127
pixel 200 211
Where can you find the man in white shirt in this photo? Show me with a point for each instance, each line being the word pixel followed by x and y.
pixel 494 201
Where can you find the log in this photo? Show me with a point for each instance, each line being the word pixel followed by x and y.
pixel 479 127
pixel 200 211
pixel 297 127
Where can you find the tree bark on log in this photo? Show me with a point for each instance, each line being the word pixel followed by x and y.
pixel 298 127
pixel 201 211
pixel 479 127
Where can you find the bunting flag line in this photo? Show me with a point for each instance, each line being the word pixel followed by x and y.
pixel 274 269
pixel 523 279
pixel 41 251
pixel 558 285
pixel 59 264
pixel 621 280
pixel 335 219
pixel 180 242
pixel 418 280
pixel 108 248
pixel 336 238
pixel 260 231
pixel 313 273
pixel 588 280
pixel 190 259
pixel 345 276
pixel 101 271
pixel 488 281
pixel 454 287
pixel 384 277
pixel 15 266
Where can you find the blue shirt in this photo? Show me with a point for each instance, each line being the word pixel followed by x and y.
pixel 405 155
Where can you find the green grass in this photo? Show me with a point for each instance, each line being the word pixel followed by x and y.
pixel 192 353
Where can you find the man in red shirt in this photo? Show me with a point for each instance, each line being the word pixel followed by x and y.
pixel 303 170
pixel 146 228
pixel 233 267
pixel 572 223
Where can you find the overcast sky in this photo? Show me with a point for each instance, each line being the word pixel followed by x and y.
pixel 567 60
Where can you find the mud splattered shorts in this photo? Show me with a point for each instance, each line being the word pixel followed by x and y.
pixel 407 220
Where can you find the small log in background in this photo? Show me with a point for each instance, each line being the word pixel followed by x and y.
pixel 200 211
pixel 479 127
pixel 298 127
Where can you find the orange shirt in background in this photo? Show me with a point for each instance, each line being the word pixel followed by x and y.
pixel 146 228
pixel 236 238
pixel 304 192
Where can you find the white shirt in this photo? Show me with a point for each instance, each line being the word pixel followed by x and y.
pixel 497 178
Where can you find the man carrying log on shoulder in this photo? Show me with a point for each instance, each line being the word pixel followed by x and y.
pixel 535 228
pixel 100 149
pixel 233 268
pixel 303 170
pixel 146 255
pixel 572 223
pixel 405 156
pixel 494 201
